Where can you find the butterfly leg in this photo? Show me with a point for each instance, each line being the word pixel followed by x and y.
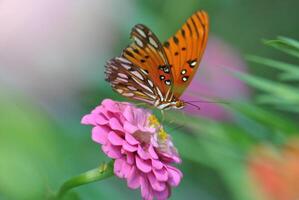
pixel 163 115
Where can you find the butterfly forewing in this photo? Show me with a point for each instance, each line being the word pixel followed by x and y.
pixel 185 49
pixel 148 53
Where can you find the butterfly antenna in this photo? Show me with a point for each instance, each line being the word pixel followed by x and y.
pixel 203 101
pixel 196 106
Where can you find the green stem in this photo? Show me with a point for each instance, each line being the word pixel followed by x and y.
pixel 102 172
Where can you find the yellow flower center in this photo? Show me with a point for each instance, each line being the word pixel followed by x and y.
pixel 162 134
pixel 153 121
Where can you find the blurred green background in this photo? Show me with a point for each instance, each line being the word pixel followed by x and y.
pixel 52 56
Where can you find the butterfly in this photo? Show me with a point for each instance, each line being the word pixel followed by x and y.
pixel 158 73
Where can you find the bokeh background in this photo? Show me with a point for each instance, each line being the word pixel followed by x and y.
pixel 52 56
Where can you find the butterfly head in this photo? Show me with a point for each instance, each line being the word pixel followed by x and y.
pixel 179 104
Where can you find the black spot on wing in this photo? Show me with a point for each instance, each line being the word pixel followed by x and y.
pixel 166 44
pixel 129 53
pixel 183 33
pixel 175 39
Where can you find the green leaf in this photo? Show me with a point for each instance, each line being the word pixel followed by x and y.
pixel 285 92
pixel 289 77
pixel 286 67
pixel 287 45
pixel 266 118
pixel 270 99
pixel 290 108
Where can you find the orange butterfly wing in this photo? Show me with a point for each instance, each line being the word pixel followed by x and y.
pixel 142 72
pixel 148 54
pixel 185 49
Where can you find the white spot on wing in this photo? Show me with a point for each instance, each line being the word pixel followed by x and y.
pixel 121 79
pixel 150 83
pixel 131 88
pixel 193 63
pixel 128 94
pixel 150 95
pixel 136 73
pixel 183 71
pixel 153 42
pixel 126 66
pixel 167 94
pixel 114 67
pixel 143 71
pixel 141 32
pixel 138 41
pixel 167 82
pixel 119 90
pixel 123 60
pixel 160 94
pixel 122 75
pixel 142 85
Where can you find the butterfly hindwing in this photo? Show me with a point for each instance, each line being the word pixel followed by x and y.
pixel 130 81
pixel 185 49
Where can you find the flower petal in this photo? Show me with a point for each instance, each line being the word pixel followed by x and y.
pixel 88 119
pixel 157 164
pixel 101 120
pixel 142 154
pixel 115 124
pixel 97 110
pixel 130 158
pixel 111 151
pixel 156 185
pixel 142 165
pixel 163 195
pixel 175 176
pixel 128 114
pixel 99 134
pixel 111 105
pixel 125 170
pixel 117 167
pixel 146 191
pixel 152 152
pixel 126 146
pixel 161 174
pixel 130 138
pixel 133 180
pixel 128 127
pixel 115 139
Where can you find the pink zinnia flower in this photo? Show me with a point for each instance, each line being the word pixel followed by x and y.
pixel 142 150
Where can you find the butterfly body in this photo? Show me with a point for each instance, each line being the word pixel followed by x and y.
pixel 175 104
pixel 157 73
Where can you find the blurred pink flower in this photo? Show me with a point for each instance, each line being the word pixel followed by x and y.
pixel 142 150
pixel 213 81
